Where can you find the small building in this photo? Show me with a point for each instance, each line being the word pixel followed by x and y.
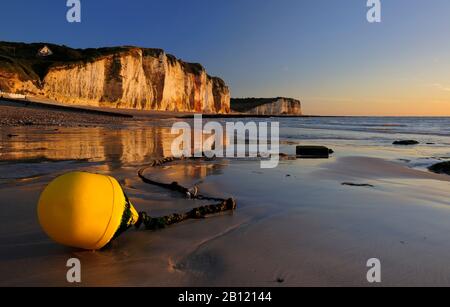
pixel 44 52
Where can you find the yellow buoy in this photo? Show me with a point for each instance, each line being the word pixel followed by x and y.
pixel 85 210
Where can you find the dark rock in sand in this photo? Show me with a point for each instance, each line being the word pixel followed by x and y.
pixel 406 142
pixel 280 280
pixel 351 184
pixel 313 152
pixel 441 168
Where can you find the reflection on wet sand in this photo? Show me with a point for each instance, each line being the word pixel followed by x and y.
pixel 121 146
pixel 128 145
pixel 24 151
pixel 188 172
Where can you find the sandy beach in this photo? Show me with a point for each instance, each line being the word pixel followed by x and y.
pixel 296 225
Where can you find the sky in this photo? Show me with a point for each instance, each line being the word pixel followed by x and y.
pixel 323 52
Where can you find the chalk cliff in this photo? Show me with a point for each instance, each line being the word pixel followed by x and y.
pixel 120 77
pixel 267 106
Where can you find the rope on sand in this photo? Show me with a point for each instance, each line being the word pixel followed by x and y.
pixel 193 193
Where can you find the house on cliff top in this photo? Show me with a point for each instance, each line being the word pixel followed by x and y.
pixel 44 52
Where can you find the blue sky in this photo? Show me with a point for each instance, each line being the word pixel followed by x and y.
pixel 320 51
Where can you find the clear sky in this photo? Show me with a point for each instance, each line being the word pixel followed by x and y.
pixel 322 52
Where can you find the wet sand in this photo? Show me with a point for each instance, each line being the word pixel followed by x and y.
pixel 297 223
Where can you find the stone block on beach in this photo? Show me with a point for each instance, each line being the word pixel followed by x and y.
pixel 313 152
pixel 406 142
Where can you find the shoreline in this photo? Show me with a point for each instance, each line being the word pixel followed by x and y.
pixel 45 103
pixel 31 112
pixel 239 115
pixel 132 114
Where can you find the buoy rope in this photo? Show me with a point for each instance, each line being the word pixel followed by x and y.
pixel 192 193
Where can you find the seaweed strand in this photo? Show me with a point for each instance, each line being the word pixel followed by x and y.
pixel 151 223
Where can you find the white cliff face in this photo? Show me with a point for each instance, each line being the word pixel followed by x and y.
pixel 138 80
pixel 135 78
pixel 264 106
pixel 82 84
